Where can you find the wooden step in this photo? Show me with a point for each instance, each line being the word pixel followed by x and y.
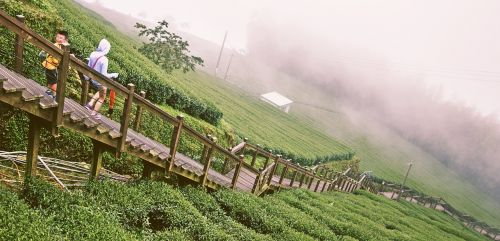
pixel 30 97
pixel 102 129
pixel 136 144
pixel 154 153
pixel 89 123
pixel 75 118
pixel 114 134
pixel 163 156
pixel 47 102
pixel 8 87
pixel 145 148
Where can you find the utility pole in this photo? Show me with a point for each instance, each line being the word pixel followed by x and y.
pixel 229 65
pixel 220 53
pixel 404 181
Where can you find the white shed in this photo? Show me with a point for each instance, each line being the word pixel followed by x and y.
pixel 277 100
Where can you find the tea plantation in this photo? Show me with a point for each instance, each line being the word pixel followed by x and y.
pixel 147 210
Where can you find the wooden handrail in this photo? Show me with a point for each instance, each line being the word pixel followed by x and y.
pixel 238 147
pixel 21 29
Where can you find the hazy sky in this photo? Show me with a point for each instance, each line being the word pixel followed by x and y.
pixel 453 44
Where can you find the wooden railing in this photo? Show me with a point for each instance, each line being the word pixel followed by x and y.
pixel 234 157
pixel 437 203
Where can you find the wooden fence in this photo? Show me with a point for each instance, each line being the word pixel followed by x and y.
pixel 234 158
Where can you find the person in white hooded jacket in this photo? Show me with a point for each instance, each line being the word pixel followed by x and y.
pixel 99 62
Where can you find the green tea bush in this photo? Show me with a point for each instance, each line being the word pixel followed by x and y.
pixel 73 215
pixel 244 208
pixel 19 222
pixel 208 206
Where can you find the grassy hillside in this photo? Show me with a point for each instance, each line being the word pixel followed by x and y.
pixel 387 155
pixel 249 117
pixel 157 211
pixel 305 131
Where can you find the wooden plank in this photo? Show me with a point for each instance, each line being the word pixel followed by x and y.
pixel 114 134
pixel 10 87
pixel 47 102
pixel 239 147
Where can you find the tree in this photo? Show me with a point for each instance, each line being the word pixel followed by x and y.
pixel 167 49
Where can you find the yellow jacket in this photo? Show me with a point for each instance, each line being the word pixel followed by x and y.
pixel 51 62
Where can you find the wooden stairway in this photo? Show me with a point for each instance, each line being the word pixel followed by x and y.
pixel 109 135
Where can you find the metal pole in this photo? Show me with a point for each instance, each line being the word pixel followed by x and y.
pixel 229 65
pixel 404 181
pixel 220 53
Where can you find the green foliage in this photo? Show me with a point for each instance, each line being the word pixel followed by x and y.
pixel 208 206
pixel 167 49
pixel 156 211
pixel 19 222
pixel 85 32
pixel 73 216
pixel 247 209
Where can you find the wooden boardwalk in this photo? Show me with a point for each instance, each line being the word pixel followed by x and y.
pixel 116 137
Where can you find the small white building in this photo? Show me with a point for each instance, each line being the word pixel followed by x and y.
pixel 277 100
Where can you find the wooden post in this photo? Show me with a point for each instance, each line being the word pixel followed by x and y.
pixel 345 184
pixel 293 178
pixel 324 185
pixel 256 183
pixel 317 184
pixel 226 163
pixel 19 48
pixel 96 159
pixel 62 76
pixel 438 202
pixel 342 183
pixel 352 185
pixel 254 157
pixel 267 159
pixel 85 92
pixel 138 113
pixel 204 152
pixel 208 161
pixel 404 181
pixel 311 179
pixel 127 107
pixel 273 170
pixel 242 150
pixel 237 172
pixel 35 126
pixel 283 173
pixel 349 185
pixel 174 142
pixel 302 179
pixel 148 170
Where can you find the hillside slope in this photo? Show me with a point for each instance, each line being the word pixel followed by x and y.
pixel 268 126
pixel 157 211
pixel 380 149
pixel 386 156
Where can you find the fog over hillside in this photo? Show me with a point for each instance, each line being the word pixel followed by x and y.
pixel 425 69
pixel 401 98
